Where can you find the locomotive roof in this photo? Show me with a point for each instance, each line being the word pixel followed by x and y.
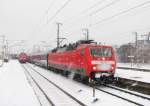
pixel 79 44
pixel 23 53
pixel 92 45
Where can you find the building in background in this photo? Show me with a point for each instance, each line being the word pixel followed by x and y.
pixel 137 52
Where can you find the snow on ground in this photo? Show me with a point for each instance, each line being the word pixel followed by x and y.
pixel 81 91
pixel 42 99
pixel 133 75
pixel 16 91
pixel 14 88
pixel 57 96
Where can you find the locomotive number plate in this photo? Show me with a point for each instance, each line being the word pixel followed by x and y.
pixel 97 75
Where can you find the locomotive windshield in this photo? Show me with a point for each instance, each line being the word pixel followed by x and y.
pixel 102 52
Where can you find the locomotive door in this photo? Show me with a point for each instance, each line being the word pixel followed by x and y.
pixel 82 61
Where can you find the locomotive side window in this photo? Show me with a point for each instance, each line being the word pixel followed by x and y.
pixel 101 52
pixel 82 52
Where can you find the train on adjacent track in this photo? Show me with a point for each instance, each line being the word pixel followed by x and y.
pixel 88 61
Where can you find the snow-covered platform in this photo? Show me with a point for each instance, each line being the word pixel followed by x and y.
pixel 14 87
pixel 133 74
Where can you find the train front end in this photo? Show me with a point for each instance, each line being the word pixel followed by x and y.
pixel 23 58
pixel 102 63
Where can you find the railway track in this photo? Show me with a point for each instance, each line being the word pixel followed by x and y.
pixel 46 96
pixel 134 85
pixel 49 81
pixel 129 92
pixel 135 98
pixel 132 101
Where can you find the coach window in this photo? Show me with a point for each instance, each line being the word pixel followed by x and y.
pixel 82 52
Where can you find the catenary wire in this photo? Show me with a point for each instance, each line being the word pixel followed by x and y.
pixel 56 13
pixel 97 11
pixel 85 10
pixel 122 12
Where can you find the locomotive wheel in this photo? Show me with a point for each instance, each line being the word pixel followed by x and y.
pixel 85 80
pixel 67 73
pixel 77 77
pixel 62 72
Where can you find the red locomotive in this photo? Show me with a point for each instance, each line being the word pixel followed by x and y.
pixel 23 57
pixel 86 59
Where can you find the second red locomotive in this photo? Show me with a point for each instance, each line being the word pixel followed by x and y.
pixel 23 57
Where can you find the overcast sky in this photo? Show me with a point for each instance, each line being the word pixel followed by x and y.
pixel 35 20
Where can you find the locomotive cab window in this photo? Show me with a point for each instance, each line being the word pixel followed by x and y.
pixel 102 52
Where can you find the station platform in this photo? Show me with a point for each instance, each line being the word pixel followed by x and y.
pixel 133 75
pixel 14 87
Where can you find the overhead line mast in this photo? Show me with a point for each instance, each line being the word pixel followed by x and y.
pixel 59 39
pixel 86 33
pixel 58 34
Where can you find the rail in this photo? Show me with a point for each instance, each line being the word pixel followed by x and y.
pixel 75 99
pixel 46 96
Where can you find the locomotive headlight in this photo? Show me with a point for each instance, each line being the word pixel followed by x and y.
pixel 94 68
pixel 112 67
